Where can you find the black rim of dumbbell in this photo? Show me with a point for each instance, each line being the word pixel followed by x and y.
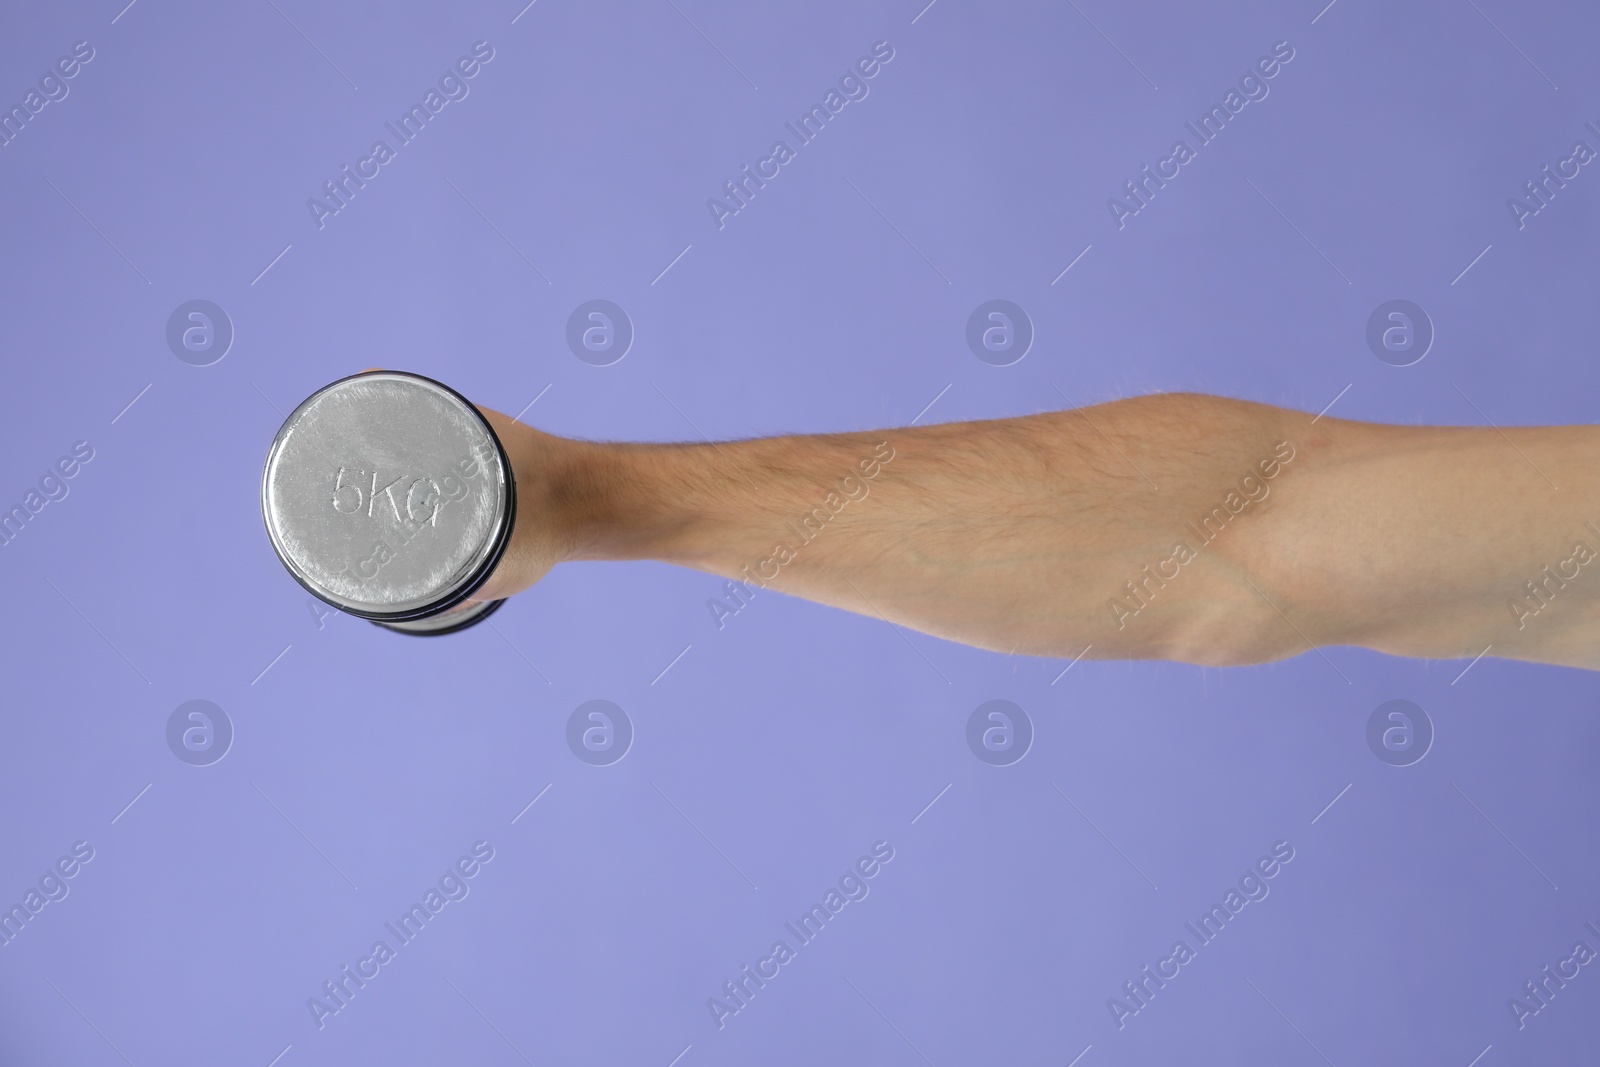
pixel 494 606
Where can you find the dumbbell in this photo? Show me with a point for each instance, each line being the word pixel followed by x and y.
pixel 388 496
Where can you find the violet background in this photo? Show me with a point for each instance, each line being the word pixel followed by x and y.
pixel 777 750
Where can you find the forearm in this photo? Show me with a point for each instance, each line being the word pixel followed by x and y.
pixel 1173 526
pixel 1010 534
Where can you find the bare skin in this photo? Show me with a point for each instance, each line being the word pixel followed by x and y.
pixel 1023 534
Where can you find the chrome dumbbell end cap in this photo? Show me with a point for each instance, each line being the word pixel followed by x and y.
pixel 389 496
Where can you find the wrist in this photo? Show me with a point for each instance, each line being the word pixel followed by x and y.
pixel 623 501
pixel 563 494
pixel 552 526
pixel 588 500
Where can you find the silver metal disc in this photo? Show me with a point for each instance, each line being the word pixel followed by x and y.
pixel 388 495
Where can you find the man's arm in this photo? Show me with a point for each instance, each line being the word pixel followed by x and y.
pixel 1173 526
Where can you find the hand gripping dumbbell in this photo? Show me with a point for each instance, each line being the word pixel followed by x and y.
pixel 389 496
